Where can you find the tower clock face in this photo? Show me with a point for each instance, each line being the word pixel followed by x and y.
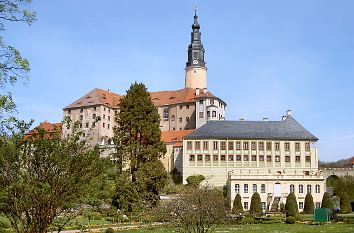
pixel 195 62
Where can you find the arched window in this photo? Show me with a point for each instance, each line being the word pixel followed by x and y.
pixel 237 188
pixel 262 188
pixel 308 188
pixel 292 188
pixel 301 188
pixel 166 114
pixel 317 188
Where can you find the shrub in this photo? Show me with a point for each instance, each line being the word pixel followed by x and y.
pixel 282 207
pixel 195 180
pixel 109 230
pixel 237 206
pixel 326 201
pixel 248 219
pixel 291 208
pixel 345 205
pixel 256 207
pixel 299 217
pixel 308 208
pixel 290 220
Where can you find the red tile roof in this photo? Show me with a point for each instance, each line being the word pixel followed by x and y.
pixel 175 137
pixel 49 128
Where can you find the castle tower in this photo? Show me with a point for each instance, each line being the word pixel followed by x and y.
pixel 195 66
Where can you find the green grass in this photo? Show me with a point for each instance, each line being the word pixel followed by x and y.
pixel 268 228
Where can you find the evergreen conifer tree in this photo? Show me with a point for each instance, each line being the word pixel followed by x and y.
pixel 345 206
pixel 256 207
pixel 237 206
pixel 309 205
pixel 291 208
pixel 326 201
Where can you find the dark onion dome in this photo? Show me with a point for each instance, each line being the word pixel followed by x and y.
pixel 195 24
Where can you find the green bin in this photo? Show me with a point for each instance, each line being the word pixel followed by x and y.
pixel 321 215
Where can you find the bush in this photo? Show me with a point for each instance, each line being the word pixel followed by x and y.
pixel 345 205
pixel 308 208
pixel 248 219
pixel 237 206
pixel 326 201
pixel 299 217
pixel 290 220
pixel 256 207
pixel 291 208
pixel 282 207
pixel 109 230
pixel 195 180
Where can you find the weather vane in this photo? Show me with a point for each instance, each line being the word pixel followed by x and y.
pixel 195 7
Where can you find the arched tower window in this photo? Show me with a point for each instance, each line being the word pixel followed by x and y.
pixel 166 114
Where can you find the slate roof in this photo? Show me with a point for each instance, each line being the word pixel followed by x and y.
pixel 289 129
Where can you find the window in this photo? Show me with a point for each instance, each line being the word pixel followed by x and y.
pixel 262 188
pixel 223 145
pixel 200 157
pixel 297 158
pixel 277 158
pixel 261 158
pixel 211 102
pixel 215 145
pixel 205 146
pixel 245 158
pixel 191 158
pixel 109 118
pixel 222 157
pixel 187 106
pixel 201 102
pixel 301 188
pixel 197 145
pixel 254 157
pixel 287 146
pixel 238 157
pixel 166 114
pixel 94 108
pixel 261 145
pixel 213 114
pixel 307 146
pixel 189 145
pixel 269 146
pixel 81 110
pixel 292 188
pixel 317 188
pixel 104 125
pixel 215 157
pixel 269 158
pixel 253 146
pixel 104 109
pixel 104 117
pixel 180 120
pixel 87 125
pixel 181 106
pixel 108 126
pixel 81 117
pixel 69 111
pixel 231 158
pixel 245 205
pixel 231 145
pixel 173 118
pixel 207 158
pixel 254 187
pixel 237 188
pixel 201 114
pixel 287 158
pixel 277 146
pixel 297 146
pixel 308 159
pixel 109 110
pixel 245 188
pixel 301 205
pixel 245 145
pixel 309 188
pixel 238 145
pixel 187 119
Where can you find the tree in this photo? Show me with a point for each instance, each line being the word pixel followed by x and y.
pixel 137 137
pixel 345 205
pixel 291 208
pixel 196 210
pixel 43 177
pixel 344 184
pixel 237 205
pixel 12 65
pixel 195 180
pixel 309 205
pixel 256 207
pixel 326 201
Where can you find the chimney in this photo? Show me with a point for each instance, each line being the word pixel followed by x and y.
pixel 265 118
pixel 283 118
pixel 197 91
pixel 205 90
pixel 242 119
pixel 109 91
pixel 288 113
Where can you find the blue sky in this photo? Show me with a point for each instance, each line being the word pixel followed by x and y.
pixel 263 57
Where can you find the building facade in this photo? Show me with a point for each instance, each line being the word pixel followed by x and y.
pixel 272 158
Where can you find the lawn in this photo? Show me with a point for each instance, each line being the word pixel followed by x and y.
pixel 268 228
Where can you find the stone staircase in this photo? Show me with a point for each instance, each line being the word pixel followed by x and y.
pixel 275 204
